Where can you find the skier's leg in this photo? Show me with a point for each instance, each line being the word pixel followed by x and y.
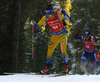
pixel 63 48
pixel 82 64
pixel 93 59
pixel 64 52
pixel 51 46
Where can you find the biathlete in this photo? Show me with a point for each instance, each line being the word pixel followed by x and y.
pixel 89 51
pixel 59 34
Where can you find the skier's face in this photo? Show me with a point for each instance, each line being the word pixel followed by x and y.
pixel 87 36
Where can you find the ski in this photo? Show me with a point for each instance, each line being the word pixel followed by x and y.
pixel 52 75
pixel 57 75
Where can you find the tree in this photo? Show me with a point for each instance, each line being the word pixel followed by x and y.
pixel 15 35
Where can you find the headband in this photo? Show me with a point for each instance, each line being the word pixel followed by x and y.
pixel 49 12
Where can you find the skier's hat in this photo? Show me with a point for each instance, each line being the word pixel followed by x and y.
pixel 87 32
pixel 49 10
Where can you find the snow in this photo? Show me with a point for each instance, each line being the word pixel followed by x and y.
pixel 47 78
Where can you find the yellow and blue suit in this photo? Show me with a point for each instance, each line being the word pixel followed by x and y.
pixel 56 38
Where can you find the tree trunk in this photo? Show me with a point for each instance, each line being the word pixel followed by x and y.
pixel 15 35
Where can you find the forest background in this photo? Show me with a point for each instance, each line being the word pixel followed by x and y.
pixel 16 34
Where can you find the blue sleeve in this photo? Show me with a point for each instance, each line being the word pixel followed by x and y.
pixel 65 14
pixel 79 37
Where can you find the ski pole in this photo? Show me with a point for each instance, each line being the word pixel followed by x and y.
pixel 76 55
pixel 32 23
pixel 32 41
pixel 76 59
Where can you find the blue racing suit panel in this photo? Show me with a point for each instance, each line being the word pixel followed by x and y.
pixel 65 14
pixel 90 55
pixel 63 31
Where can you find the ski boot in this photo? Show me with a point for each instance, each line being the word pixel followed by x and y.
pixel 65 69
pixel 46 70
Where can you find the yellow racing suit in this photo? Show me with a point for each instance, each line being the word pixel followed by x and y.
pixel 59 34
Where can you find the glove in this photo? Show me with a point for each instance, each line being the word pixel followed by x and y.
pixel 54 3
pixel 77 31
pixel 95 39
pixel 32 22
pixel 57 6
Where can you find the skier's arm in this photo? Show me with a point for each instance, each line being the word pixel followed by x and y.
pixel 78 37
pixel 61 16
pixel 42 21
pixel 65 14
pixel 57 6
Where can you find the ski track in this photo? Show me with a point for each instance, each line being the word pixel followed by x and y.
pixel 47 78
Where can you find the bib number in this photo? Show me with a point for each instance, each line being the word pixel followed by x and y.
pixel 55 27
pixel 87 47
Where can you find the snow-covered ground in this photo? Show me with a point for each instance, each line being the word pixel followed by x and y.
pixel 47 78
